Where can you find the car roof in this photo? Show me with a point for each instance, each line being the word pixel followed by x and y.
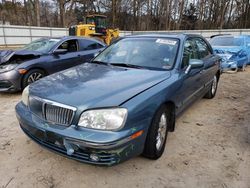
pixel 164 35
pixel 73 37
pixel 232 36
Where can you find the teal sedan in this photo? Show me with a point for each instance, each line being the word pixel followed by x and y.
pixel 124 102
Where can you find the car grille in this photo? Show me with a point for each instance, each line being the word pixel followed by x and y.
pixel 58 114
pixel 51 112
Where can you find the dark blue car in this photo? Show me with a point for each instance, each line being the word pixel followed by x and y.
pixel 43 57
pixel 124 102
pixel 234 50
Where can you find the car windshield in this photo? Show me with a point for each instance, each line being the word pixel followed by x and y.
pixel 227 41
pixel 41 45
pixel 152 53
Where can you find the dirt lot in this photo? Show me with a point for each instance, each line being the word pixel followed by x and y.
pixel 208 149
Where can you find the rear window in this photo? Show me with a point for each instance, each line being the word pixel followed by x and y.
pixel 227 41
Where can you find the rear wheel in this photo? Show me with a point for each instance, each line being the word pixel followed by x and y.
pixel 213 88
pixel 32 76
pixel 157 134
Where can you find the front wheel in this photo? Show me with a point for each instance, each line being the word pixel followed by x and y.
pixel 32 76
pixel 157 134
pixel 243 68
pixel 213 88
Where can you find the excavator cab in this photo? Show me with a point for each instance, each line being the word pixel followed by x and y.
pixel 100 22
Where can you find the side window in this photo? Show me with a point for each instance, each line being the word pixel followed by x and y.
pixel 69 45
pixel 93 46
pixel 190 52
pixel 90 45
pixel 203 48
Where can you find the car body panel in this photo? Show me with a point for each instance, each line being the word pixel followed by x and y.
pixel 102 83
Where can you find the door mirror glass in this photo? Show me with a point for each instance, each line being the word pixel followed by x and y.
pixel 60 51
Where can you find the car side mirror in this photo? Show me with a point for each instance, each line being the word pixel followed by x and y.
pixel 194 64
pixel 60 51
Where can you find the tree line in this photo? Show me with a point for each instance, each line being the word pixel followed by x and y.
pixel 130 14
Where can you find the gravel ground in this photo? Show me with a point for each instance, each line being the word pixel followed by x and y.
pixel 208 149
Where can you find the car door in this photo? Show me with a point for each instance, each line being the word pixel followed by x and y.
pixel 89 49
pixel 210 60
pixel 191 79
pixel 66 55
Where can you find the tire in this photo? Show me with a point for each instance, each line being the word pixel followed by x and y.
pixel 157 134
pixel 234 70
pixel 243 68
pixel 213 88
pixel 32 76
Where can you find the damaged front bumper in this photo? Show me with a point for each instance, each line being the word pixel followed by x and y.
pixel 76 144
pixel 229 66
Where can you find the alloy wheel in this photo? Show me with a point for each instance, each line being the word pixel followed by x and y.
pixel 34 77
pixel 161 132
pixel 214 85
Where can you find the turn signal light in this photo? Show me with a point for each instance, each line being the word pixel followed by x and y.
pixel 137 134
pixel 22 71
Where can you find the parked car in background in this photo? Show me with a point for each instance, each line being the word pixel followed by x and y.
pixel 234 50
pixel 43 57
pixel 124 102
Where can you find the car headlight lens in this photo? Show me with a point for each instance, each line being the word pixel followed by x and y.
pixel 104 119
pixel 6 68
pixel 25 96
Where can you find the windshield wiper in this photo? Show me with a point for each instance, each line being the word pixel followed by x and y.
pixel 100 62
pixel 127 65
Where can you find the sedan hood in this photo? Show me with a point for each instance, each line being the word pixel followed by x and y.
pixel 227 52
pixel 93 85
pixel 6 55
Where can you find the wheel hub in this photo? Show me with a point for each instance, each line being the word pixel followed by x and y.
pixel 34 77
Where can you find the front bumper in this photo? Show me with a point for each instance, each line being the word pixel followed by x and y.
pixel 229 66
pixel 10 81
pixel 67 141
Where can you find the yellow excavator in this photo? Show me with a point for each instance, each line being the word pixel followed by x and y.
pixel 95 26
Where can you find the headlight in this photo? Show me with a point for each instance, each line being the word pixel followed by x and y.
pixel 6 68
pixel 104 119
pixel 25 96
